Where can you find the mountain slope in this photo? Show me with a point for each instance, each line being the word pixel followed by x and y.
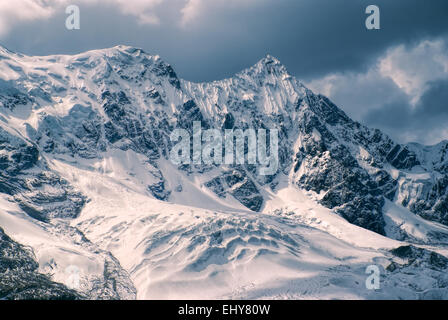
pixel 85 158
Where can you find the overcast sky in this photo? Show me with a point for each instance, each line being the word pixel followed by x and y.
pixel 395 78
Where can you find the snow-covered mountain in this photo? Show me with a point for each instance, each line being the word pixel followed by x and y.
pixel 86 181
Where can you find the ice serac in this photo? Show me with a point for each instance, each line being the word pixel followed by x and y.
pixel 425 189
pixel 84 157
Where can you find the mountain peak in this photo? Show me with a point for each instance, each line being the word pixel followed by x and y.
pixel 128 49
pixel 124 50
pixel 268 65
pixel 268 59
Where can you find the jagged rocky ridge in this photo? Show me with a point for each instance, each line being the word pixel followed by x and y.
pixel 124 98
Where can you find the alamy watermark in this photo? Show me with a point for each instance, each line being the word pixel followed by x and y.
pixel 233 140
pixel 373 20
pixel 73 21
pixel 373 280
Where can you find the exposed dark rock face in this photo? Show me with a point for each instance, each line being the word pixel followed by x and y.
pixel 240 186
pixel 414 257
pixel 28 179
pixel 20 279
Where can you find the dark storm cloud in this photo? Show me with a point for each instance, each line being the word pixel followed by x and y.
pixel 311 37
pixel 427 119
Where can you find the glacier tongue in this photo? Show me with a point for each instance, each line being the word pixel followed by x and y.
pixel 84 153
